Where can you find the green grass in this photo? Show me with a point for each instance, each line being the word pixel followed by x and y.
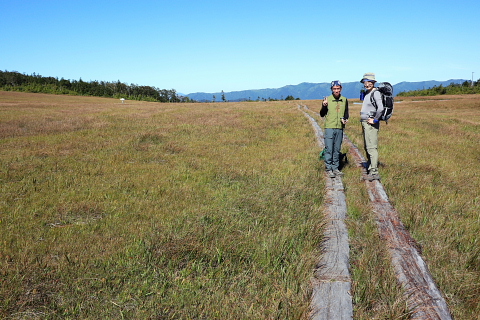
pixel 430 157
pixel 214 211
pixel 156 211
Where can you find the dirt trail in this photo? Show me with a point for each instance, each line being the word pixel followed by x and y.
pixel 332 279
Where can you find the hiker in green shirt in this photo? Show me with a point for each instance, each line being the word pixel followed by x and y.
pixel 335 111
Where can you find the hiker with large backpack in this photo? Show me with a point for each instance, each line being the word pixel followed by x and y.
pixel 335 111
pixel 372 112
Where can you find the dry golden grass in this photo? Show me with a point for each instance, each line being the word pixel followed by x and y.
pixel 430 157
pixel 156 211
pixel 176 211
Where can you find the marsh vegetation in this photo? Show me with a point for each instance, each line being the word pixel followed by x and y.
pixel 148 210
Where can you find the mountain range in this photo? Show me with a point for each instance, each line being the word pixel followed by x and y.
pixel 312 91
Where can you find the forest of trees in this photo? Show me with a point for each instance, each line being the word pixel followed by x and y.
pixel 15 81
pixel 465 88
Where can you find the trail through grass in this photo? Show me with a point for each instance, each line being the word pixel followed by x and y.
pixel 430 156
pixel 213 211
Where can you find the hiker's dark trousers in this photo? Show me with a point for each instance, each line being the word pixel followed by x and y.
pixel 333 145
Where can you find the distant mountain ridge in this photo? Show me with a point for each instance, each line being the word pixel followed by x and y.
pixel 312 91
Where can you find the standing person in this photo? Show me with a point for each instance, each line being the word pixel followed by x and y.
pixel 369 118
pixel 335 111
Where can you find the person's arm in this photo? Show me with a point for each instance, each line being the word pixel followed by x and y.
pixel 346 115
pixel 324 110
pixel 376 100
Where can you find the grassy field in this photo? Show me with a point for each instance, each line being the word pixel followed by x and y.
pixel 156 211
pixel 430 156
pixel 214 211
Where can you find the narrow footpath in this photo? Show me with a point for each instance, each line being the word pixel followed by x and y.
pixel 331 298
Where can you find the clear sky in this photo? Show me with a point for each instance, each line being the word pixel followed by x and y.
pixel 231 45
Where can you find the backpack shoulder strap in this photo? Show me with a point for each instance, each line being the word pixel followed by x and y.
pixel 372 98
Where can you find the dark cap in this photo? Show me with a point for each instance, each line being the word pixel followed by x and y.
pixel 336 83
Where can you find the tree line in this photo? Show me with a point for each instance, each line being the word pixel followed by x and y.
pixel 15 81
pixel 467 87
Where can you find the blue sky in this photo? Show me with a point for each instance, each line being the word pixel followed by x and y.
pixel 213 45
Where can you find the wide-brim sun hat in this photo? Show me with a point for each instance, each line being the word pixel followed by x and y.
pixel 369 76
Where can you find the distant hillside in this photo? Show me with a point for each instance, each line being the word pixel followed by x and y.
pixel 312 91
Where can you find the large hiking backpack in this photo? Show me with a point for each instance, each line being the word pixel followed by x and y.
pixel 386 90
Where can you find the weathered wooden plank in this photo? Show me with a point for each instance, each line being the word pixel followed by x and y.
pixel 324 293
pixel 334 263
pixel 335 249
pixel 423 297
pixel 331 296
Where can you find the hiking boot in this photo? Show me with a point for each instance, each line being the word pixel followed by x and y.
pixel 372 176
pixel 337 172
pixel 375 176
pixel 331 174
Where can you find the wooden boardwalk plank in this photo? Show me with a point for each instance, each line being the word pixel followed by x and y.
pixel 331 287
pixel 324 294
pixel 424 298
pixel 331 296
